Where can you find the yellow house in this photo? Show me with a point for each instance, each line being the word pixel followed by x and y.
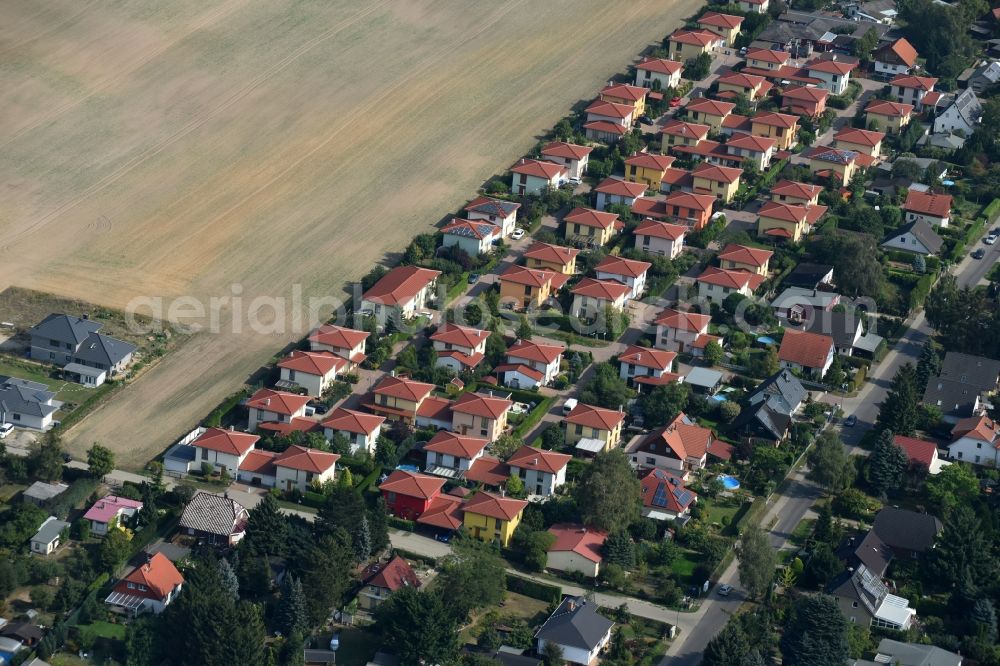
pixel 686 44
pixel 788 222
pixel 529 287
pixel 719 181
pixel 766 59
pixel 681 133
pixel 709 112
pixel 859 140
pixel 592 227
pixel 737 83
pixel 596 424
pixel 490 517
pixel 648 169
pixel 736 257
pixel 796 193
pixel 724 25
pixel 623 93
pixel 781 127
pixel 399 398
pixel 837 163
pixel 890 117
pixel 544 256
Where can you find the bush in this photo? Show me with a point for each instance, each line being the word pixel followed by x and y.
pixel 77 492
pixel 531 588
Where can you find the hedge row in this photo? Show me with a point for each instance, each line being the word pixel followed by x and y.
pixel 991 210
pixel 417 557
pixel 369 480
pixel 920 290
pixel 401 523
pixel 536 590
pixel 534 417
pixel 215 417
pixel 67 500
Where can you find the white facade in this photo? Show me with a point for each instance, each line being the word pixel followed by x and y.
pixel 588 307
pixel 218 459
pixel 287 478
pixel 314 385
pixel 569 561
pixel 912 216
pixel 890 70
pixel 636 284
pixel 517 379
pixel 973 450
pixel 818 373
pixel 645 78
pixel 754 8
pixel 538 482
pixel 575 655
pixel 576 168
pixel 914 96
pixel 628 371
pixel 523 184
pixel 675 339
pixel 506 224
pixel 718 293
pixel 663 247
pixel 470 245
pixel 761 159
pixel 604 200
pixel 950 120
pixel 835 83
pixel 906 242
pixel 406 309
pixel 549 370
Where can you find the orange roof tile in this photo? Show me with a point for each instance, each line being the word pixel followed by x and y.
pixel 313 363
pixel 924 83
pixel 349 420
pixel 809 350
pixel 718 20
pixel 806 93
pixel 539 169
pixel 412 484
pixel 393 575
pixel 531 277
pixel 619 187
pixel 650 161
pixel 481 405
pixel 338 336
pixel 700 202
pixel 683 321
pixel 716 173
pixel 605 109
pixel 710 106
pixel 595 417
pixel 528 457
pixel 791 188
pixel 586 543
pixel 569 151
pixel 838 67
pixel 741 254
pixel 555 254
pixel 660 66
pixel 859 137
pixel 619 266
pixel 464 336
pixel 159 575
pixel 400 285
pixel 773 119
pixel 593 218
pixel 444 511
pixel 904 51
pixel 645 357
pixel 624 91
pixel 701 38
pixel 686 129
pixel 936 205
pixel 306 460
pixel 731 279
pixel 279 402
pixel 884 107
pixel 658 229
pixel 494 506
pixel 767 55
pixel 605 126
pixel 760 144
pixel 232 442
pixel 405 388
pixel 453 444
pixel 978 427
pixel 488 470
pixel 534 351
pixel 607 290
pixel 749 81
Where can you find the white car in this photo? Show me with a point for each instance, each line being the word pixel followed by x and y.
pixel 6 429
pixel 724 590
pixel 989 240
pixel 517 234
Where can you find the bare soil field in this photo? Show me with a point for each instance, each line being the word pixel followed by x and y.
pixel 175 148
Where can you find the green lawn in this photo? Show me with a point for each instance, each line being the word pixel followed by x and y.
pixel 802 531
pixel 714 513
pixel 103 630
pixel 684 566
pixel 65 391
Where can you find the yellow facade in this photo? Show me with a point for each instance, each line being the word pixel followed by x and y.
pixel 871 151
pixel 649 177
pixel 732 87
pixel 639 105
pixel 750 268
pixel 844 171
pixel 576 432
pixel 722 191
pixel 525 295
pixel 670 140
pixel 887 124
pixel 489 529
pixel 594 235
pixel 712 120
pixel 784 137
pixel 681 52
pixel 795 229
pixel 478 426
pixel 394 404
pixel 728 34
pixel 539 264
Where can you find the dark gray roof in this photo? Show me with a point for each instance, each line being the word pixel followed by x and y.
pixel 65 328
pixel 977 371
pixel 874 553
pixel 213 514
pixel 906 530
pixel 954 398
pixel 24 397
pixel 812 27
pixel 319 656
pixel 104 349
pixel 772 403
pixel 922 232
pixel 576 623
pixel 914 654
pixel 495 207
pixel 968 106
pixel 842 326
pixel 807 275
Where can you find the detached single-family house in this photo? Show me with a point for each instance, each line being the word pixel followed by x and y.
pixel 594 429
pixel 726 26
pixel 859 140
pixel 629 272
pixel 839 165
pixel 715 284
pixel 268 405
pixel 888 115
pixel 766 59
pixel 681 331
pixel 49 536
pixel 480 415
pixel 617 191
pixel 576 549
pixel 865 599
pixel 910 654
pixel 379 580
pixel 450 455
pixel 399 398
pixel 592 298
pixel 215 519
pixel 735 257
pixel 27 404
pixel 917 237
pixel 835 74
pixel 963 386
pixel 804 100
pixel 895 58
pixel 360 429
pixel 754 6
pixel 680 447
pixel 578 629
pixel 526 288
pixel 642 366
pixel 648 169
pixel 684 45
pixel 781 127
pixel 908 89
pixel 347 343
pixel 658 73
pixel 490 517
pixel 474 237
pixel 544 256
pixel 41 493
pixel 921 455
pixel 795 193
pixel 660 238
pixel 753 87
pixel 149 588
pixel 664 496
pixel 742 149
pixel 846 327
pixel 535 177
pixel 975 440
pixel 691 210
pixel 314 371
pixel 73 343
pixel 408 495
pixel 768 410
pixel 498 211
pixel 623 93
pixel 220 447
pixel 718 181
pixel 593 228
pixel 298 468
pixel 682 133
pixel 540 471
pixel 811 353
pixel 709 112
pixel 110 510
pixel 963 113
pixel 569 155
pixel 401 293
pixel 621 116
pixel 788 222
pixel 799 304
pixel 530 364
pixel 459 348
pixel 934 209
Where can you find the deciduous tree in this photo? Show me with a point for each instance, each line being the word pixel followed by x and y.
pixel 100 460
pixel 757 561
pixel 829 464
pixel 608 492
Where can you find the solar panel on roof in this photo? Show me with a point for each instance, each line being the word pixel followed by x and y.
pixel 660 498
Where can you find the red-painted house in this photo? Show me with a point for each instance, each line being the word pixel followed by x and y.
pixel 408 494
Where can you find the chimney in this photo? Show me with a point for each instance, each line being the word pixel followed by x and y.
pixel 392 373
pixel 267 402
pixel 231 428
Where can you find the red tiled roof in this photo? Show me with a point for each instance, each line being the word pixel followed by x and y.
pixel 232 442
pixel 412 484
pixel 593 218
pixel 884 107
pixel 338 336
pixel 806 93
pixel 661 489
pixel 721 450
pixel 539 169
pixel 531 277
pixel 809 350
pixel 731 279
pixel 444 511
pixel 569 151
pixel 435 408
pixel 555 254
pixel 620 266
pixel 767 55
pixel 306 460
pixel 351 421
pixel 791 188
pixel 778 231
pixel 904 51
pixel 977 427
pixel 528 457
pixel 660 65
pixel 534 351
pixel 624 91
pixel 695 37
pixel 716 173
pixel 523 369
pixel 925 83
pixel 621 187
pixel 488 470
pixel 700 202
pixel 683 128
pixel 937 205
pixel 608 290
pixel 647 358
pixel 478 229
pixel 313 363
pixel 586 543
pixel 453 444
pixel 650 161
pixel 605 109
pixel 710 106
pixel 684 438
pixel 932 98
pixel 748 81
pixel 859 137
pixel 838 67
pixel 760 144
pixel 481 405
pixel 918 451
pixel 259 462
pixel 494 506
pixel 278 402
pixel 741 254
pixel 658 229
pixel 400 285
pixel 402 387
pixel 595 417
pixel 158 575
pixel 773 119
pixel 465 336
pixel 393 575
pixel 718 20
pixel 683 321
pixel 605 126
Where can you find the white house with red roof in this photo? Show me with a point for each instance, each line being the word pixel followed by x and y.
pixel 400 293
pixel 975 440
pixel 754 6
pixel 934 209
pixel 450 455
pixel 608 121
pixel 298 467
pixel 716 284
pixel 379 580
pixel 110 510
pixel 658 73
pixel 347 343
pixel 360 428
pixel 833 71
pixel 459 348
pixel 643 366
pixel 680 447
pixel 497 211
pixel 660 238
pixel 677 330
pixel 220 447
pixel 474 237
pixel 592 298
pixel 530 364
pixel 922 455
pixel 742 148
pixel 535 177
pixel 898 57
pixel 149 588
pixel 314 371
pixel 909 89
pixel 570 155
pixel 267 405
pixel 630 272
pixel 480 415
pixel 617 191
pixel 576 549
pixel 540 471
pixel 806 352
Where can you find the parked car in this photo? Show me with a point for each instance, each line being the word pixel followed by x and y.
pixel 989 240
pixel 335 642
pixel 517 234
pixel 850 421
pixel 473 278
pixel 675 102
pixel 6 429
pixel 569 405
pixel 646 120
pixel 574 181
pixel 724 590
pixel 979 254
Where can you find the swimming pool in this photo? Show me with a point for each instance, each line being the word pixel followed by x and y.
pixel 408 468
pixel 729 482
